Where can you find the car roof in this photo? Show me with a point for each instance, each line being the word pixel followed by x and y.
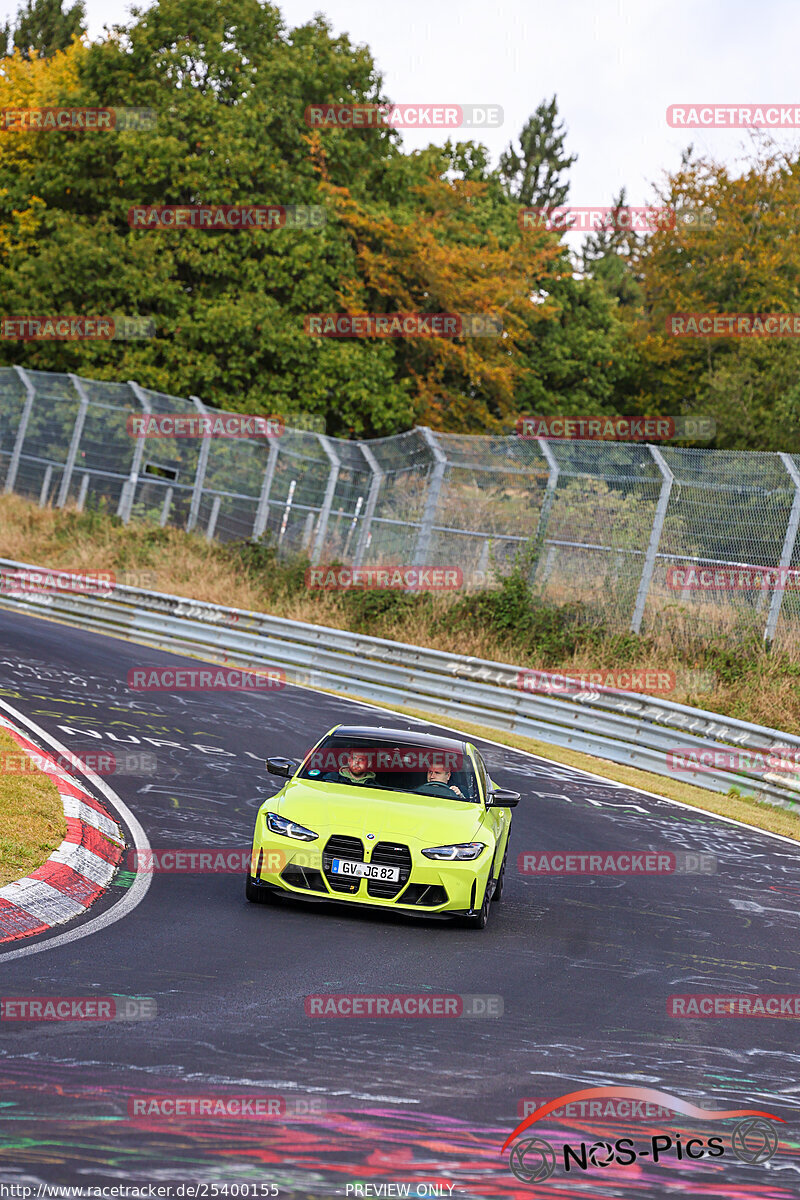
pixel 405 737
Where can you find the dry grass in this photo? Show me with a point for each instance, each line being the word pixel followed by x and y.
pixel 32 822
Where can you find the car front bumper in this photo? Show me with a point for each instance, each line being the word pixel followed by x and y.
pixel 427 886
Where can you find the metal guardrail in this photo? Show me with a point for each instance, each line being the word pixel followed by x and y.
pixel 624 727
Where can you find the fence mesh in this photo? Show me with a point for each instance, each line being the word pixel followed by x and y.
pixel 642 535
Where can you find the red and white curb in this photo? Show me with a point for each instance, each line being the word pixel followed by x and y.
pixel 77 872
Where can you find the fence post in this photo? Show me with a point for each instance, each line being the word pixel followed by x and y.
pixel 547 502
pixel 333 476
pixel 125 506
pixel 200 474
pixel 16 453
pixel 75 441
pixel 372 499
pixel 212 520
pixel 655 537
pixel 45 490
pixel 432 500
pixel 262 512
pixel 786 552
pixel 165 507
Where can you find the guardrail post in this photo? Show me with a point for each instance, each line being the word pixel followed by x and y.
pixel 372 499
pixel 75 441
pixel 423 546
pixel 200 474
pixel 786 552
pixel 262 512
pixel 333 476
pixel 547 502
pixel 655 537
pixel 128 493
pixel 16 453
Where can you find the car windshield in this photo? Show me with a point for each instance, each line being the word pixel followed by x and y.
pixel 438 771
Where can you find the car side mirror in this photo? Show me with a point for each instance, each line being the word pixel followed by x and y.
pixel 281 766
pixel 502 798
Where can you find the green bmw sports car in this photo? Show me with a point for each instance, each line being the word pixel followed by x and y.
pixel 388 818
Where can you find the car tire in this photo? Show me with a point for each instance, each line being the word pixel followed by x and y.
pixel 498 887
pixel 256 894
pixel 478 921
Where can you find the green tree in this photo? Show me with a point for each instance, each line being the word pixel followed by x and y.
pixel 43 27
pixel 609 256
pixel 533 173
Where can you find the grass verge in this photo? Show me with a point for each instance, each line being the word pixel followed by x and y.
pixel 32 822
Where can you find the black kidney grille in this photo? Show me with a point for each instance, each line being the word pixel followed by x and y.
pixel 340 846
pixel 388 854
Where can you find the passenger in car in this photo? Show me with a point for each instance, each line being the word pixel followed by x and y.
pixel 356 771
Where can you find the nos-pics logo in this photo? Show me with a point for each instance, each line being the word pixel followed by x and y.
pixel 754 1139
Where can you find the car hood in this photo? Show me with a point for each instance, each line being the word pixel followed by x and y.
pixel 396 816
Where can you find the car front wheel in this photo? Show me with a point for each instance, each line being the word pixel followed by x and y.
pixel 478 921
pixel 256 894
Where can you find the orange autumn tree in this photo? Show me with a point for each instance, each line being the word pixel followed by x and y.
pixel 450 247
pixel 744 259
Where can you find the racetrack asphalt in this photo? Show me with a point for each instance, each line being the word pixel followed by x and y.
pixel 584 966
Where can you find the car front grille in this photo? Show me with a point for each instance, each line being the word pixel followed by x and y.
pixel 388 854
pixel 340 846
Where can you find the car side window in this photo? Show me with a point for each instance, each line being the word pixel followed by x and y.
pixel 482 776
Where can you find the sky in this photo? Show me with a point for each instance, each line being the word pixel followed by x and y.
pixel 615 67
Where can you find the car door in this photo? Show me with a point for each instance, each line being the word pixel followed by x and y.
pixel 498 820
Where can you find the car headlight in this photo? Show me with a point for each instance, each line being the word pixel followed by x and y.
pixel 462 850
pixel 290 829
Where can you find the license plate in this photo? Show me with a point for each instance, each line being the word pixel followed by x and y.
pixel 347 866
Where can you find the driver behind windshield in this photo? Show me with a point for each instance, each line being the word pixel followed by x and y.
pixel 439 784
pixel 356 771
